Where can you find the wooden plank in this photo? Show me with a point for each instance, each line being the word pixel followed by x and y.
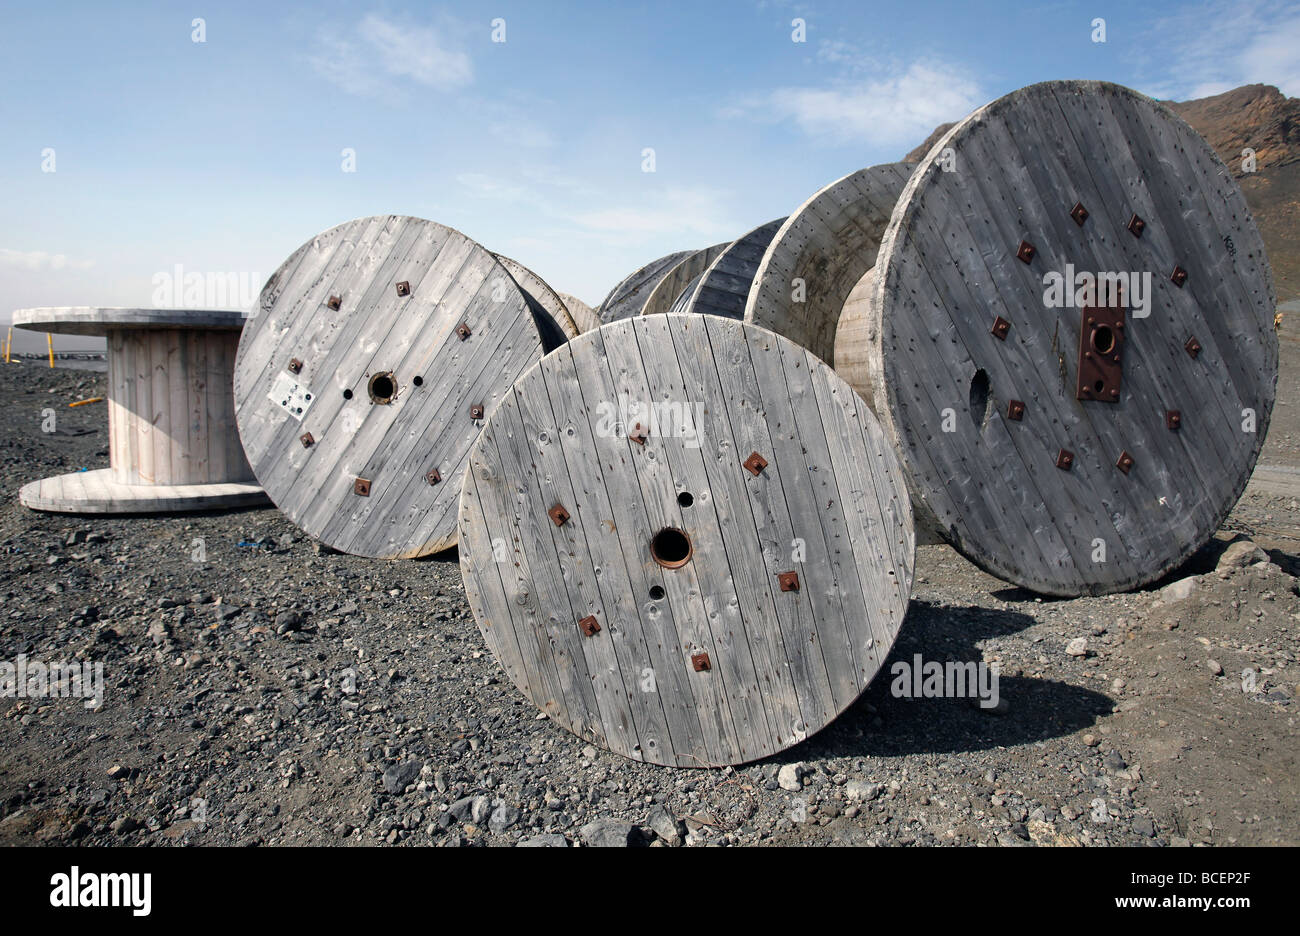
pixel 819 254
pixel 667 290
pixel 949 264
pixel 781 663
pixel 726 283
pixel 554 322
pixel 629 296
pixel 584 316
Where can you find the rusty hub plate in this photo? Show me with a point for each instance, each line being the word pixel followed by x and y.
pixel 1101 346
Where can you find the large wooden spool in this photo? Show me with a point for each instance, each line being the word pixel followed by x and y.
pixel 629 297
pixel 705 582
pixel 584 316
pixel 819 254
pixel 675 281
pixel 380 348
pixel 1043 478
pixel 554 323
pixel 171 443
pixel 724 287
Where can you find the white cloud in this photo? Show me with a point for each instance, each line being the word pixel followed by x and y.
pixel 869 104
pixel 1220 45
pixel 37 261
pixel 377 54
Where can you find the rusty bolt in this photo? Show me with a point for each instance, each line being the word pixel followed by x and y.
pixel 590 626
pixel 307 439
pixel 1193 346
pixel 433 477
pixel 1026 251
pixel 295 366
pixel 463 330
pixel 403 289
pixel 1125 462
pixel 789 580
pixel 1000 328
pixel 335 302
pixel 1065 460
pixel 1173 419
pixel 1136 226
pixel 361 487
pixel 755 463
pixel 559 516
pixel 1079 213
pixel 1178 277
pixel 1015 410
pixel 701 662
pixel 476 411
pixel 638 435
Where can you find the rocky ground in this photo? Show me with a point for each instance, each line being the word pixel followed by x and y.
pixel 258 691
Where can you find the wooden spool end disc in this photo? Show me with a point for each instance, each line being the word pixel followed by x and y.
pixel 584 316
pixel 554 322
pixel 629 297
pixel 1042 478
pixel 380 347
pixel 724 286
pixel 172 447
pixel 684 274
pixel 686 539
pixel 820 253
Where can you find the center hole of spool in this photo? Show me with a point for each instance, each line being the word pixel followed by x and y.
pixel 671 548
pixel 1103 339
pixel 980 401
pixel 382 388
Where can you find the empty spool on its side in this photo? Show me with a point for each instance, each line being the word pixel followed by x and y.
pixel 725 285
pixel 554 323
pixel 629 297
pixel 686 539
pixel 380 347
pixel 676 280
pixel 1064 485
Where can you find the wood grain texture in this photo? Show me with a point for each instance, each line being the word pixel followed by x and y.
pixel 852 339
pixel 629 297
pixel 830 505
pixel 948 266
pixel 377 332
pixel 99 492
pixel 554 323
pixel 820 253
pixel 665 294
pixel 725 285
pixel 98 320
pixel 584 316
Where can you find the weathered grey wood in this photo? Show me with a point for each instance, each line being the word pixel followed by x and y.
pixel 584 316
pixel 852 338
pixel 830 505
pixel 725 285
pixel 438 376
pixel 948 266
pixel 663 296
pixel 170 413
pixel 554 322
pixel 819 254
pixel 682 304
pixel 629 296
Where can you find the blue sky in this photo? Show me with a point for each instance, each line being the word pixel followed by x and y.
pixel 225 155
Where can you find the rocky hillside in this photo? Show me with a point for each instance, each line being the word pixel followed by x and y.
pixel 1262 118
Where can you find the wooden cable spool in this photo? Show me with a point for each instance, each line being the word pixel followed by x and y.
pixel 686 539
pixel 819 254
pixel 1090 444
pixel 629 297
pixel 380 348
pixel 554 323
pixel 675 281
pixel 723 288
pixel 584 316
pixel 170 405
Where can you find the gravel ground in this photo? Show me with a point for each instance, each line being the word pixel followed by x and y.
pixel 259 691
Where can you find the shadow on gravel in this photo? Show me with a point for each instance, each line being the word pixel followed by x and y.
pixel 878 724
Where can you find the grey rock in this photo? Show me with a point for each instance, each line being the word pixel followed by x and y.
pixel 1180 590
pixel 549 840
pixel 1078 647
pixel 666 826
pixel 503 817
pixel 860 791
pixel 1239 555
pixel 609 833
pixel 1142 825
pixel 399 776
pixel 790 776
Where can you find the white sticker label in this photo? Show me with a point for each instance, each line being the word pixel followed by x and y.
pixel 291 396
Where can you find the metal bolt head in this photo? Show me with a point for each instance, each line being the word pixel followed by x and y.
pixel 1125 462
pixel 307 439
pixel 433 477
pixel 1178 277
pixel 1016 410
pixel 589 625
pixel 1136 226
pixel 361 487
pixel 403 289
pixel 1001 328
pixel 559 516
pixel 638 435
pixel 1173 419
pixel 755 464
pixel 701 662
pixel 335 302
pixel 295 366
pixel 1026 251
pixel 476 411
pixel 1079 213
pixel 1065 460
pixel 789 581
pixel 463 331
pixel 1193 347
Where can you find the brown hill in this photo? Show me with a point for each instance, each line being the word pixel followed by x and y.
pixel 1258 117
